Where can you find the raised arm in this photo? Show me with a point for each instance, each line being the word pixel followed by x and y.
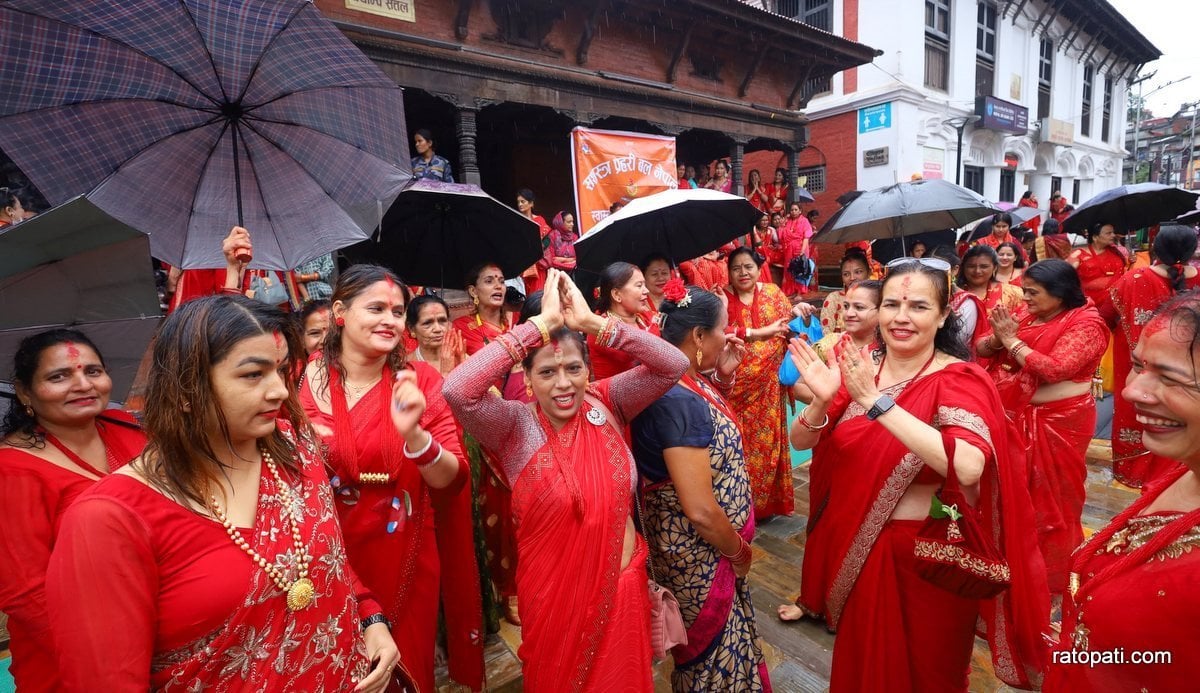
pixel 493 421
pixel 661 367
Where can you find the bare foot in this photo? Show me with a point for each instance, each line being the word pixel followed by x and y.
pixel 790 612
pixel 510 611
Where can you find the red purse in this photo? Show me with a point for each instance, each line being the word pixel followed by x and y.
pixel 953 550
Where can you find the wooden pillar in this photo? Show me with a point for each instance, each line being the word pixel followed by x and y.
pixel 736 152
pixel 468 159
pixel 793 166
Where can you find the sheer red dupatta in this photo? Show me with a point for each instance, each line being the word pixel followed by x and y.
pixel 571 504
pixel 867 481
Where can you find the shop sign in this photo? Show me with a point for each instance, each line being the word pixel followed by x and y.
pixel 875 157
pixel 396 9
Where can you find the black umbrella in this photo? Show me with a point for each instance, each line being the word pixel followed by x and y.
pixel 436 232
pixel 679 224
pixel 184 118
pixel 75 266
pixel 904 209
pixel 981 228
pixel 1129 207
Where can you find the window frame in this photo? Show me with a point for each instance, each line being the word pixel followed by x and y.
pixel 937 44
pixel 1085 103
pixel 1045 77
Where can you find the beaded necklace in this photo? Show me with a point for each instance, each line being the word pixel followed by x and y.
pixel 300 592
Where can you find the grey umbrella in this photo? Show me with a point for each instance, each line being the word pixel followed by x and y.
pixel 75 266
pixel 904 209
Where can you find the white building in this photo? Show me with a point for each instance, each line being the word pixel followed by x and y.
pixel 1046 78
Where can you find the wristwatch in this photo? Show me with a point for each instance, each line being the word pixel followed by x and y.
pixel 882 406
pixel 376 618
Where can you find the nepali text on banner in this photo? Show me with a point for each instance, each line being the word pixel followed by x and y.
pixel 611 167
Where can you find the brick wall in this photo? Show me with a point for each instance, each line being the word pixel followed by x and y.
pixel 834 142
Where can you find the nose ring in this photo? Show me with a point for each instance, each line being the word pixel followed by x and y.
pixel 1147 397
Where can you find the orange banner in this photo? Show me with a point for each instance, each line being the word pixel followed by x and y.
pixel 612 166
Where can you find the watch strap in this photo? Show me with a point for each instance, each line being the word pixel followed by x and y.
pixel 881 407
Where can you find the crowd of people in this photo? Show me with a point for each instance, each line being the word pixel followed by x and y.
pixel 334 478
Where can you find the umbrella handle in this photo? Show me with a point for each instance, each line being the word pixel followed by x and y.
pixel 237 173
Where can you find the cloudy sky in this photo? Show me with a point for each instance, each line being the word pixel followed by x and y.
pixel 1174 27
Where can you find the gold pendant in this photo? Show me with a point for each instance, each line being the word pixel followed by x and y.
pixel 1079 638
pixel 300 594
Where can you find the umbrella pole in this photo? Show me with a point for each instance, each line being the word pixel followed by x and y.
pixel 237 173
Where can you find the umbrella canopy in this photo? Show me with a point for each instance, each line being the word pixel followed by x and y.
pixel 904 209
pixel 803 195
pixel 75 266
pixel 189 117
pixel 436 232
pixel 1131 207
pixel 680 224
pixel 982 227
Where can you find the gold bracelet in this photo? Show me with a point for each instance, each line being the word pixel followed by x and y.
pixel 1016 348
pixel 805 423
pixel 537 322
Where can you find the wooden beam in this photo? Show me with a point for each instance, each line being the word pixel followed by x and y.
pixel 463 19
pixel 589 32
pixel 678 57
pixel 758 58
pixel 800 84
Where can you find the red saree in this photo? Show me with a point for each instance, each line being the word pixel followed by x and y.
pixel 760 402
pixel 477 332
pixel 606 361
pixel 1136 594
pixel 34 494
pixel 897 632
pixel 585 617
pixel 1056 434
pixel 192 610
pixel 994 243
pixel 403 567
pixel 1099 271
pixel 705 273
pixel 792 235
pixel 1133 300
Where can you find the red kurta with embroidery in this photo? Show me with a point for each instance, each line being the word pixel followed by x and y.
pixel 1132 302
pixel 192 610
pixel 585 616
pixel 34 494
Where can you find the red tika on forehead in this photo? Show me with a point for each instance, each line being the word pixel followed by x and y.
pixel 279 341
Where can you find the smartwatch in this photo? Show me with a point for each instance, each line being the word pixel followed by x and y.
pixel 882 406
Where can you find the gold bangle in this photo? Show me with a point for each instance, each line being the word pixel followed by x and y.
pixel 537 322
pixel 805 423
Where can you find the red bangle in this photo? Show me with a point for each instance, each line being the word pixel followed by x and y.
pixel 425 457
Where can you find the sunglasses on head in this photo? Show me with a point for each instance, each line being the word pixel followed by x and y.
pixel 932 263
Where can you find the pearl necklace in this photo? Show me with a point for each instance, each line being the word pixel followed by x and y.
pixel 300 592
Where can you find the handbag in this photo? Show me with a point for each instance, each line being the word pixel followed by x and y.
pixel 801 269
pixel 952 549
pixel 666 620
pixel 268 289
pixel 810 332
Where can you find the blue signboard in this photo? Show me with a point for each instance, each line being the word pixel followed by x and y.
pixel 997 114
pixel 874 118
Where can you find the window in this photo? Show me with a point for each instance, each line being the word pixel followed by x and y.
pixel 985 49
pixel 813 177
pixel 818 85
pixel 1106 114
pixel 937 44
pixel 1085 113
pixel 1075 192
pixel 815 13
pixel 1045 77
pixel 973 178
pixel 1055 184
pixel 1008 185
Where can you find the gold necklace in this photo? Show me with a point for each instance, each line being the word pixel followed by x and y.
pixel 300 592
pixel 358 391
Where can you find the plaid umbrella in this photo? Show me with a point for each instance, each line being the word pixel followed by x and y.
pixel 190 116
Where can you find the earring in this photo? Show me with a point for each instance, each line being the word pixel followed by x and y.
pixel 699 356
pixel 29 411
pixel 475 300
pixel 528 390
pixel 339 321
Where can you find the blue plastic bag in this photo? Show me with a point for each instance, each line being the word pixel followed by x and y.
pixel 789 375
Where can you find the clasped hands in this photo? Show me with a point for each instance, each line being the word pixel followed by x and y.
pixel 845 363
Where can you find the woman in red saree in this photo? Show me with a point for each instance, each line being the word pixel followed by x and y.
pixel 777 190
pixel 1043 365
pixel 535 276
pixel 883 418
pixel 582 569
pixel 235 278
pixel 1133 584
pixel 794 237
pixel 1028 199
pixel 1100 263
pixel 58 438
pixel 698 504
pixel 216 555
pixel 1001 233
pixel 623 296
pixel 978 277
pixel 709 272
pixel 758 315
pixel 1131 303
pixel 390 497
